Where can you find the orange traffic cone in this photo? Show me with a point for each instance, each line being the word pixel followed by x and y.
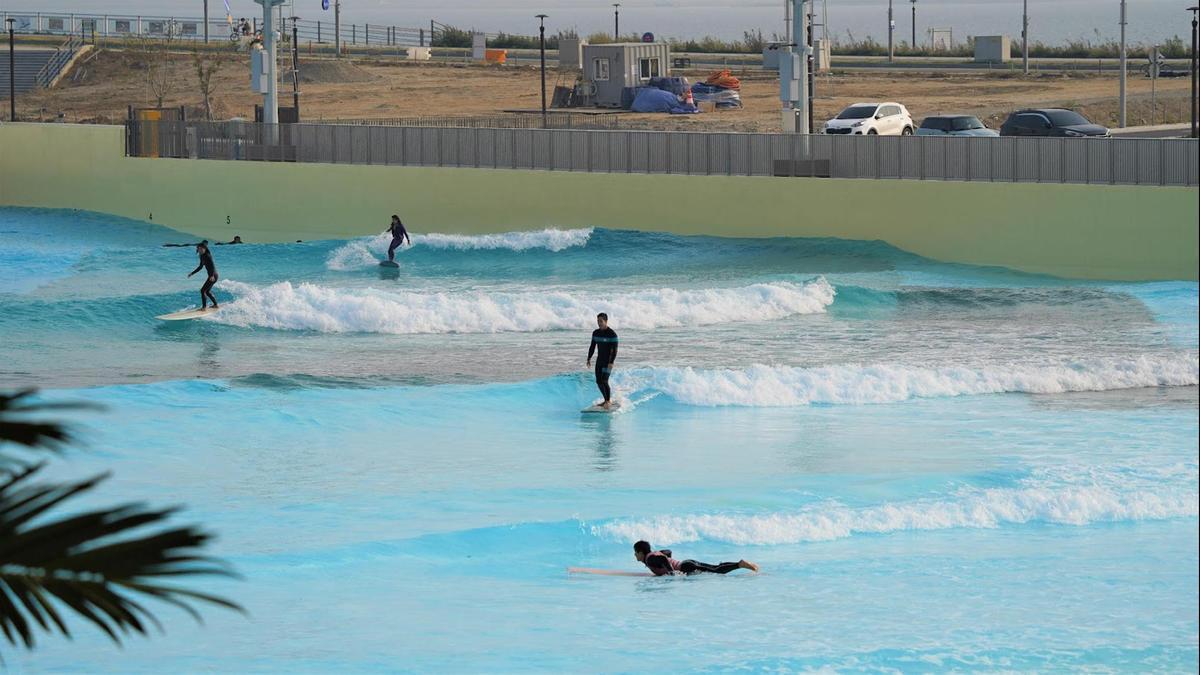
pixel 689 100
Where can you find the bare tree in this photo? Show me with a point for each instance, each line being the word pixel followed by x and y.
pixel 206 66
pixel 154 55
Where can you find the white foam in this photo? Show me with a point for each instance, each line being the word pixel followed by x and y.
pixel 367 251
pixel 766 386
pixel 971 508
pixel 329 310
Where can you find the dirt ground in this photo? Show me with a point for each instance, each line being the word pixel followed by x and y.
pixel 101 88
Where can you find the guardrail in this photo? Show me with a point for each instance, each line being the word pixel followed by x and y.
pixel 61 56
pixel 1114 161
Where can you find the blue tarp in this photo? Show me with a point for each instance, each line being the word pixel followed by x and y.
pixel 651 100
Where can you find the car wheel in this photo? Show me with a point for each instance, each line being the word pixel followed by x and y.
pixel 872 132
pixel 907 131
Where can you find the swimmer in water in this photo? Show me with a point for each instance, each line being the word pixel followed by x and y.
pixel 662 564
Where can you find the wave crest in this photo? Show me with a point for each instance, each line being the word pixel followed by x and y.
pixel 973 508
pixel 781 386
pixel 311 307
pixel 367 251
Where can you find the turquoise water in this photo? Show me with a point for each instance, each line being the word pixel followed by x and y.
pixel 938 467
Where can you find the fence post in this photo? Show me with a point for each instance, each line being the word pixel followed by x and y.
pixel 1162 162
pixel 1137 163
pixel 1038 141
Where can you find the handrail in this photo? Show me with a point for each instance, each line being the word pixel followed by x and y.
pixel 59 59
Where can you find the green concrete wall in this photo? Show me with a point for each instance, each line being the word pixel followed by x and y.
pixel 1080 231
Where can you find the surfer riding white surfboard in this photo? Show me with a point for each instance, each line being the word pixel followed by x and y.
pixel 604 347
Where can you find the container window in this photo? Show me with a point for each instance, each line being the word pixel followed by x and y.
pixel 599 70
pixel 649 68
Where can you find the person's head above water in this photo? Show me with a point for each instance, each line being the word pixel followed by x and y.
pixel 602 321
pixel 395 218
pixel 237 239
pixel 641 549
pixel 202 246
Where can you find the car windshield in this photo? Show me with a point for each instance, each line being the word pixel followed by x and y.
pixel 938 123
pixel 857 112
pixel 1066 118
pixel 967 123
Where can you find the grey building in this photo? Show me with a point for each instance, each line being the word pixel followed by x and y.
pixel 613 67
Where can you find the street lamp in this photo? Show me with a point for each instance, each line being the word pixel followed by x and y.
pixel 914 37
pixel 1122 93
pixel 542 42
pixel 616 22
pixel 891 30
pixel 1195 66
pixel 12 71
pixel 1025 36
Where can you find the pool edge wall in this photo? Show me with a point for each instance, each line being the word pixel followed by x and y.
pixel 1079 231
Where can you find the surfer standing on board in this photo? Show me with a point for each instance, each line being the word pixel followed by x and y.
pixel 206 263
pixel 399 234
pixel 604 346
pixel 661 563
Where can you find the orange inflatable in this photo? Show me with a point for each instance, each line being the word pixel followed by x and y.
pixel 724 79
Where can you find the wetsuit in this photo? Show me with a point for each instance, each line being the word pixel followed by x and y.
pixel 206 262
pixel 399 234
pixel 661 563
pixel 604 346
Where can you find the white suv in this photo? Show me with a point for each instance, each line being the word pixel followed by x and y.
pixel 882 119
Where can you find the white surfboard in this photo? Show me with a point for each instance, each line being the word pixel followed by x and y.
pixel 597 408
pixel 188 314
pixel 606 573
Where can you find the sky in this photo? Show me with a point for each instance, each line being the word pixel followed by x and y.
pixel 1051 21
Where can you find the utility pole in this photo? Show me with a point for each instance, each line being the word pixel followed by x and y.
pixel 205 22
pixel 271 97
pixel 542 42
pixel 793 73
pixel 1025 36
pixel 616 22
pixel 1122 122
pixel 12 73
pixel 337 29
pixel 914 26
pixel 1195 10
pixel 891 30
pixel 296 66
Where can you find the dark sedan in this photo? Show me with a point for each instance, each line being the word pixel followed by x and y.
pixel 1050 122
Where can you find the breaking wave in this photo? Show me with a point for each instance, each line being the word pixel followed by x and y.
pixel 969 508
pixel 367 251
pixel 766 386
pixel 329 310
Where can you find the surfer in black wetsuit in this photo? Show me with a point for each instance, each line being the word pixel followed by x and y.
pixel 604 346
pixel 399 234
pixel 206 263
pixel 661 563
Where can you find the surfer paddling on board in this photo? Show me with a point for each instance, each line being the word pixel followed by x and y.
pixel 604 346
pixel 399 234
pixel 206 263
pixel 661 563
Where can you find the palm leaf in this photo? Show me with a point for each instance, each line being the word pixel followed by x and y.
pixel 95 563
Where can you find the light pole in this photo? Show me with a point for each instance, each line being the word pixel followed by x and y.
pixel 1025 36
pixel 616 22
pixel 542 43
pixel 337 30
pixel 1195 15
pixel 914 37
pixel 295 66
pixel 1122 121
pixel 12 72
pixel 205 22
pixel 891 29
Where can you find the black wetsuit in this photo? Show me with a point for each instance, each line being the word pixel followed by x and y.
pixel 661 563
pixel 604 346
pixel 206 262
pixel 398 236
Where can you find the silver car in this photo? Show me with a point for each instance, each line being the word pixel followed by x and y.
pixel 954 125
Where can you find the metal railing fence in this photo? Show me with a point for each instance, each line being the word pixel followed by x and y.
pixel 554 120
pixel 1116 161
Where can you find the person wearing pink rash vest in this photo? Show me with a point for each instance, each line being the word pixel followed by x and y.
pixel 661 563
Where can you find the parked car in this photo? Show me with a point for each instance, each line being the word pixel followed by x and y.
pixel 954 125
pixel 872 119
pixel 1050 122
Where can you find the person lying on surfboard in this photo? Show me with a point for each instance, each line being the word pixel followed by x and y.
pixel 604 346
pixel 661 563
pixel 206 262
pixel 399 234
